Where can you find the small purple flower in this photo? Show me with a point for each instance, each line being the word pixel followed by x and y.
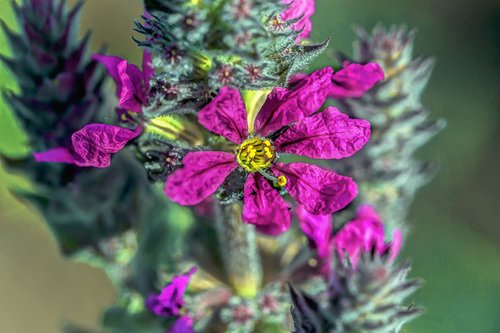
pixel 360 235
pixel 92 146
pixel 182 325
pixel 253 72
pixel 286 123
pixel 365 233
pixel 132 84
pixel 170 300
pixel 299 8
pixel 225 74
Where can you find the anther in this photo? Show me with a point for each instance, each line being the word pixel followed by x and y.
pixel 255 154
pixel 281 181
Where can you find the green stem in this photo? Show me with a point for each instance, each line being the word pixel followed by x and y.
pixel 239 251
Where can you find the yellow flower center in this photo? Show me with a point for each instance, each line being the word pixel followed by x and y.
pixel 255 154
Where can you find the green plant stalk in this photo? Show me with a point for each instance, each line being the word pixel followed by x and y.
pixel 239 253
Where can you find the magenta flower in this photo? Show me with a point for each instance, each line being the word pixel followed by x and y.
pixel 132 84
pixel 358 236
pixel 303 9
pixel 365 233
pixel 286 123
pixel 355 79
pixel 92 146
pixel 171 298
pixel 182 325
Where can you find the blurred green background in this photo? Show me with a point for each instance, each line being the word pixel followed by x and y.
pixel 455 240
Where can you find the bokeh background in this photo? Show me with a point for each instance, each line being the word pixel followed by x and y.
pixel 455 239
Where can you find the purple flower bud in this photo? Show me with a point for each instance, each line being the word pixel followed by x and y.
pixel 171 298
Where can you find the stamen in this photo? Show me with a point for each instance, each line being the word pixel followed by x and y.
pixel 279 181
pixel 268 176
pixel 282 181
pixel 255 153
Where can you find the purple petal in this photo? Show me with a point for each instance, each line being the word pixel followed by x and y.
pixel 367 218
pixel 296 9
pixel 147 15
pixel 182 325
pixel 94 144
pixel 225 115
pixel 285 106
pixel 171 298
pixel 264 206
pixel 320 191
pixel 111 65
pixel 355 79
pixel 296 78
pixel 361 235
pixel 57 155
pixel 202 174
pixel 329 134
pixel 132 94
pixel 318 228
pixel 131 83
pixel 395 245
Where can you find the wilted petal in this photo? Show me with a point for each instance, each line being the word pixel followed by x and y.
pixel 111 65
pixel 171 299
pixel 94 144
pixel 300 8
pixel 285 106
pixel 355 79
pixel 264 206
pixel 182 325
pixel 202 174
pixel 56 155
pixel 225 115
pixel 320 191
pixel 132 94
pixel 329 134
pixel 318 228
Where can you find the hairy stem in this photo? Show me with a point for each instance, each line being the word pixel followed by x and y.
pixel 239 251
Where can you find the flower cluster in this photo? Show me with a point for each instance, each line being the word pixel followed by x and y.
pixel 287 123
pixel 221 115
pixel 360 235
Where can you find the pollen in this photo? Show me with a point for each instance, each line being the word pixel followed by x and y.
pixel 282 181
pixel 256 154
